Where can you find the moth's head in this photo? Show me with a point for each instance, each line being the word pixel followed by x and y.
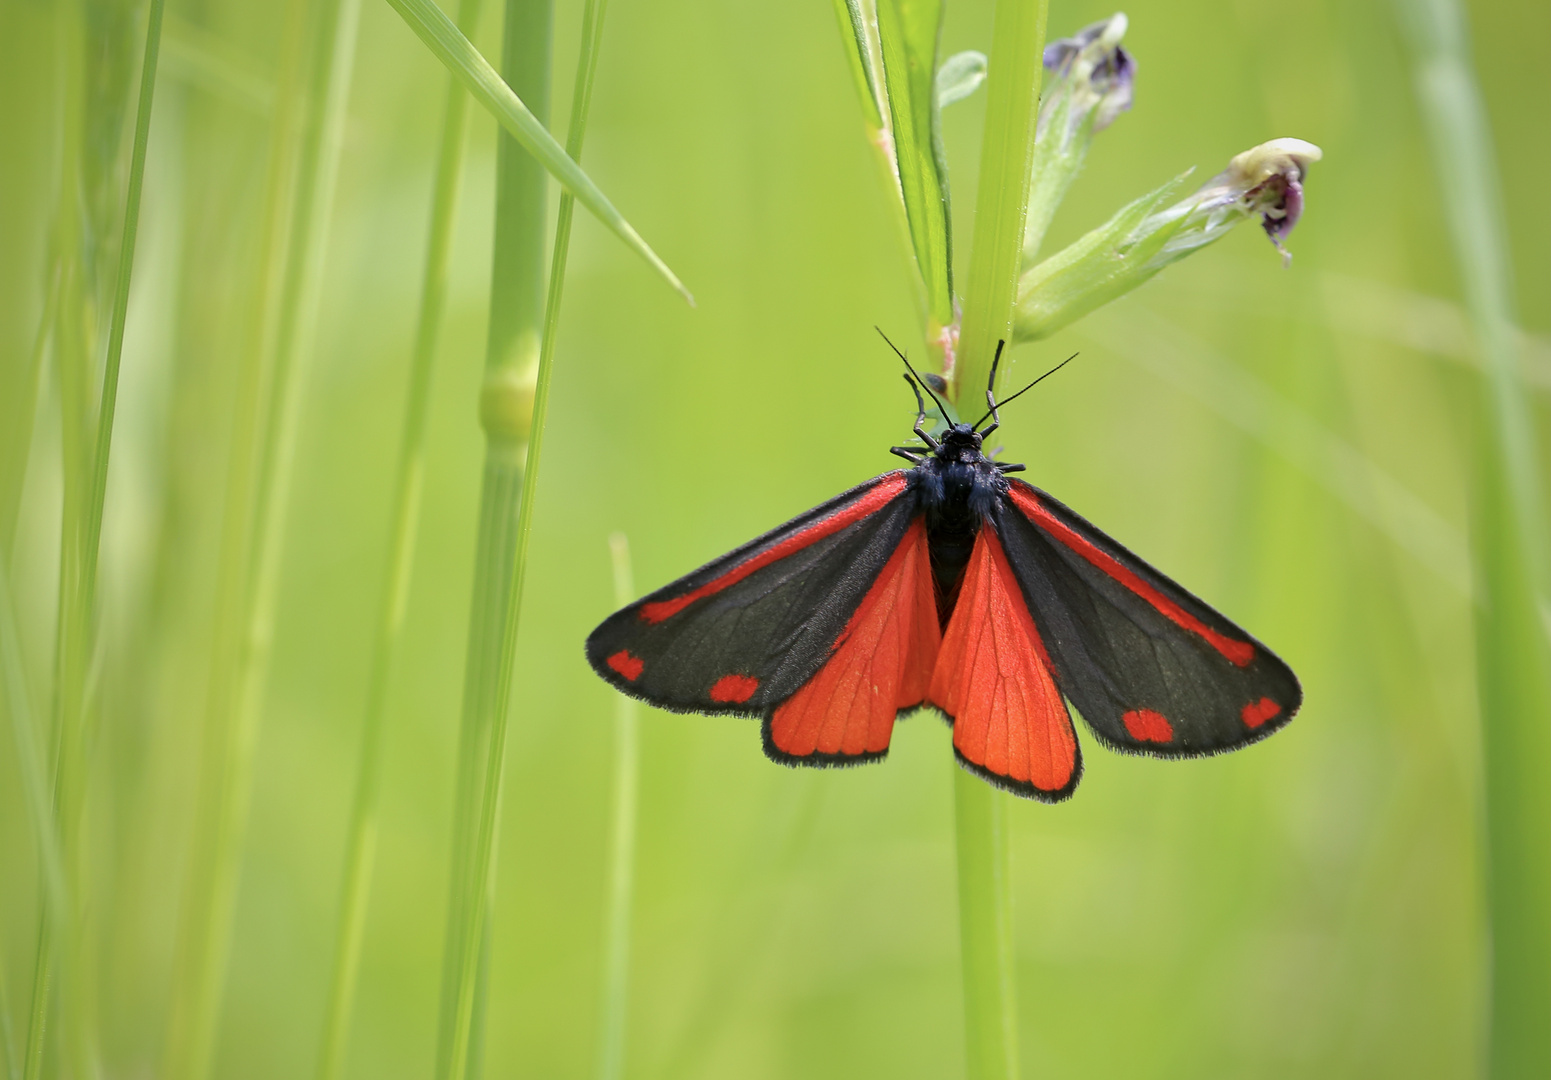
pixel 961 442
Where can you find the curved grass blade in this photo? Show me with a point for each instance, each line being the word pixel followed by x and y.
pixel 447 42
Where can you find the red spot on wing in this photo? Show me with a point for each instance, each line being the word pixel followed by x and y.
pixel 1258 712
pixel 1238 652
pixel 628 666
pixel 734 689
pixel 993 676
pixel 866 505
pixel 1148 726
pixel 880 664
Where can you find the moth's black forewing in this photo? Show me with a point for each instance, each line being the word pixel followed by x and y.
pixel 1115 653
pixel 776 626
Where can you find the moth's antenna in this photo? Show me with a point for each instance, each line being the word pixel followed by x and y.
pixel 1031 386
pixel 923 383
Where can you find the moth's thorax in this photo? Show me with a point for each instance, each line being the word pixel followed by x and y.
pixel 958 484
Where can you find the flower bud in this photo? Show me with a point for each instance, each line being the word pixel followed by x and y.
pixel 1092 76
pixel 1091 81
pixel 1141 239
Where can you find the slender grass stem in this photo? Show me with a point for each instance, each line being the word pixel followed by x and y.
pixel 11 492
pixel 30 758
pixel 108 403
pixel 621 877
pixel 56 977
pixel 361 845
pixel 1007 152
pixel 512 347
pixel 304 160
pixel 1513 620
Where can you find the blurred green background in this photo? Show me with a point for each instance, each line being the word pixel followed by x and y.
pixel 1290 444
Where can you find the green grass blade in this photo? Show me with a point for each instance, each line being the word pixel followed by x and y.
pixel 909 31
pixel 108 401
pixel 23 412
pixel 361 843
pixel 857 27
pixel 621 876
pixel 1510 534
pixel 30 758
pixel 1001 203
pixel 305 146
pixel 454 50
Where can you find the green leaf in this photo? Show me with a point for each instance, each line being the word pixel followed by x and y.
pixel 442 36
pixel 1101 266
pixel 909 31
pixel 858 24
pixel 960 76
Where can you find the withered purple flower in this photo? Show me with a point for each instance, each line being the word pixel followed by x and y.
pixel 1092 69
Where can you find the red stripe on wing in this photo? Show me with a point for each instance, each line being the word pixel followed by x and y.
pixel 1239 653
pixel 993 677
pixel 873 501
pixel 881 664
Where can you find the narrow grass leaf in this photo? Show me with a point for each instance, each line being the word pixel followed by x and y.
pixel 909 31
pixel 454 50
pixel 858 29
pixel 361 842
pixel 621 872
pixel 1509 528
pixel 304 152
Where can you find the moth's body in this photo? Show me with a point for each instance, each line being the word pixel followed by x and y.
pixel 950 586
pixel 957 487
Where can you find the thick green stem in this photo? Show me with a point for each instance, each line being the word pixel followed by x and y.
pixel 361 845
pixel 985 916
pixel 1513 655
pixel 1001 203
pixel 985 930
pixel 507 413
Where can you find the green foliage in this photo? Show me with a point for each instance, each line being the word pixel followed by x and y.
pixel 1294 445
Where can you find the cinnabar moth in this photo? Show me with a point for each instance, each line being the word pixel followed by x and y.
pixel 952 586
